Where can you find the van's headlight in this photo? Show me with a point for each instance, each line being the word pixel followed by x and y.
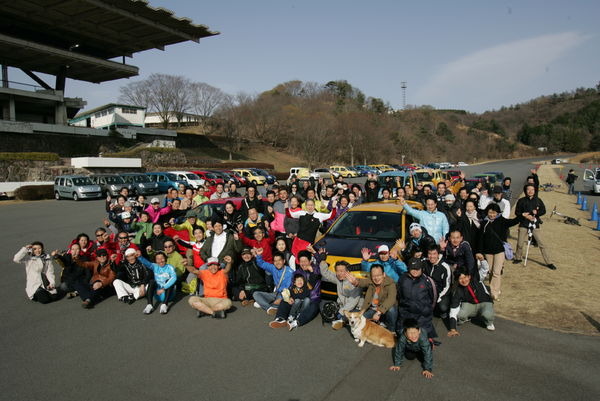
pixel 142 185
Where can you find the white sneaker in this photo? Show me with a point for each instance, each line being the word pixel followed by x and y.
pixel 164 309
pixel 148 309
pixel 490 327
pixel 256 305
pixel 292 325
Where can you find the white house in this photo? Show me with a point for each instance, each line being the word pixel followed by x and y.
pixel 155 120
pixel 111 115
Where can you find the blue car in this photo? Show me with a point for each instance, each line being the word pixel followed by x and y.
pixel 366 170
pixel 165 181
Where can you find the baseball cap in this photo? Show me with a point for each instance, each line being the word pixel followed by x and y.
pixel 414 226
pixel 383 249
pixel 212 261
pixel 154 200
pixel 125 215
pixel 415 264
pixel 497 190
pixel 127 204
pixel 449 197
pixel 101 252
pixel 130 251
pixel 246 250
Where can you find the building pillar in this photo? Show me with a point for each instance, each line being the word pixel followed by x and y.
pixel 4 76
pixel 60 113
pixel 12 115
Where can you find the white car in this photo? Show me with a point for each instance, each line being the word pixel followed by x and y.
pixel 591 181
pixel 461 164
pixel 192 180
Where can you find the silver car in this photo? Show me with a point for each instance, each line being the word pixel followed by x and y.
pixel 76 187
pixel 111 184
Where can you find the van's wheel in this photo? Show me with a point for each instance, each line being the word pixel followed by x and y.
pixel 56 195
pixel 254 182
pixel 348 176
pixel 75 196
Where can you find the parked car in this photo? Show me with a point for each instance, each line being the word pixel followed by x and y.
pixel 111 184
pixel 241 180
pixel 251 176
pixel 445 165
pixel 382 167
pixel 364 226
pixel 433 165
pixel 302 173
pixel 222 175
pixel 325 173
pixel 454 174
pixel 490 178
pixel 269 177
pixel 366 170
pixel 405 177
pixel 140 184
pixel 209 177
pixel 498 174
pixel 591 181
pixel 431 177
pixel 461 164
pixel 556 161
pixel 471 183
pixel 344 171
pixel 76 187
pixel 192 180
pixel 165 181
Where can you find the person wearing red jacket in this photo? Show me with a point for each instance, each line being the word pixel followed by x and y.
pixel 123 244
pixel 260 241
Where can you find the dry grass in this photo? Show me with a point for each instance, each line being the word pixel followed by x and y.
pixel 282 161
pixel 587 156
pixel 559 299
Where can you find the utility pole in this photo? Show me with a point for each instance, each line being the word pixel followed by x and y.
pixel 403 86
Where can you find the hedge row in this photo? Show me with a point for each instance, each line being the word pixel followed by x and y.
pixel 37 156
pixel 35 192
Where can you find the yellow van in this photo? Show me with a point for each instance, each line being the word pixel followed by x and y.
pixel 382 167
pixel 344 171
pixel 431 176
pixel 250 176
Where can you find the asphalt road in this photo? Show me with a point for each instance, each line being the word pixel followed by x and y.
pixel 63 352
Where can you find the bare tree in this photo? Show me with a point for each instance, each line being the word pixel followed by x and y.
pixel 207 99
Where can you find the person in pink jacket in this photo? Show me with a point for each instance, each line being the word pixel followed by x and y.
pixel 155 211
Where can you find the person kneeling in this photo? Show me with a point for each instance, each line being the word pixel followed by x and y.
pixel 215 301
pixel 413 343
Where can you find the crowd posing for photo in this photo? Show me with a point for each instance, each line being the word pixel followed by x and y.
pixel 261 254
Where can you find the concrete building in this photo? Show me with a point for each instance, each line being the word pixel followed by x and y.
pixel 187 119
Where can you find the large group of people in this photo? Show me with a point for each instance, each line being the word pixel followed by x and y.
pixel 261 254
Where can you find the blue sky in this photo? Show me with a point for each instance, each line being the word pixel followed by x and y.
pixel 473 55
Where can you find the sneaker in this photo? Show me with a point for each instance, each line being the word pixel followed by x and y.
pixel 551 266
pixel 516 261
pixel 271 311
pixel 256 305
pixel 292 325
pixel 71 294
pixel 220 314
pixel 87 304
pixel 337 324
pixel 130 299
pixel 200 314
pixel 490 327
pixel 164 309
pixel 278 323
pixel 148 309
pixel 124 299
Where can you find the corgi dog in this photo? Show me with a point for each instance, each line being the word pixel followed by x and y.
pixel 367 330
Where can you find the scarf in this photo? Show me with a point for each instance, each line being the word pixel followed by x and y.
pixel 472 216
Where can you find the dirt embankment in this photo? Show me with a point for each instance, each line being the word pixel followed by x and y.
pixel 565 299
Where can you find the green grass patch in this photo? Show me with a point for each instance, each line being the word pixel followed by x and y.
pixel 37 156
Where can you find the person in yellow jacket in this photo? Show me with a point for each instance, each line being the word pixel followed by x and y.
pixel 190 223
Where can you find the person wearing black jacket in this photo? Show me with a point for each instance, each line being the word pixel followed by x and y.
pixel 419 240
pixel 571 178
pixel 251 201
pixel 417 295
pixel 470 299
pixel 491 244
pixel 132 278
pixel 529 210
pixel 248 278
pixel 439 271
pixel 458 252
pixel 371 190
pixel 72 273
pixel 469 223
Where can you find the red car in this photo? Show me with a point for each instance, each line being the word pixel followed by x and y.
pixel 241 180
pixel 210 177
pixel 454 174
pixel 206 210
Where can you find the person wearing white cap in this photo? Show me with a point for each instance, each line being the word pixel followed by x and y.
pixel 392 267
pixel 419 241
pixel 434 221
pixel 132 278
pixel 155 211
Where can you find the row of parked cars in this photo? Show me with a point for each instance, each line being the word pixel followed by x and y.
pixel 95 186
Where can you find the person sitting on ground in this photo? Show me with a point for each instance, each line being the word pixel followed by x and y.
pixel 470 299
pixel 87 247
pixel 100 284
pixel 393 267
pixel 71 272
pixel 308 267
pixel 419 239
pixel 132 278
pixel 298 296
pixel 123 244
pixel 156 242
pixel 162 286
pixel 458 252
pixel 348 296
pixel 413 343
pixel 380 298
pixel 417 296
pixel 215 301
pixel 282 277
pixel 248 279
pixel 434 221
pixel 40 282
pixel 439 271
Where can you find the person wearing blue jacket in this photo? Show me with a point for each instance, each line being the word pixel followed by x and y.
pixel 282 277
pixel 434 221
pixel 393 268
pixel 162 286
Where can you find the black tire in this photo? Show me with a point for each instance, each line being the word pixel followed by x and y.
pixel 75 196
pixel 254 182
pixel 56 195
